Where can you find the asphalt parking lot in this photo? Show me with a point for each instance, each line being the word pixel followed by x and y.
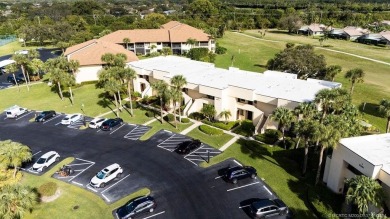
pixel 181 188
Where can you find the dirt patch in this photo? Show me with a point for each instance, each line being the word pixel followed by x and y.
pixel 51 198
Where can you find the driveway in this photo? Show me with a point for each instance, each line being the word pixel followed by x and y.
pixel 181 188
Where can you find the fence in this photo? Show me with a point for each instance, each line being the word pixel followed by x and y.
pixel 4 39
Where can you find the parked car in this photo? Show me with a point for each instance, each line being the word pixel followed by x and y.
pixel 187 146
pixel 135 207
pixel 71 118
pixel 240 172
pixel 96 123
pixel 15 111
pixel 267 208
pixel 110 123
pixel 106 175
pixel 45 115
pixel 45 161
pixel 19 79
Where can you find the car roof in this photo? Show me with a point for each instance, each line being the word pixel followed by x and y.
pixel 96 119
pixel 48 154
pixel 263 203
pixel 235 168
pixel 112 166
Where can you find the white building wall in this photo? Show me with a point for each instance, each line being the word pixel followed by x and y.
pixel 88 73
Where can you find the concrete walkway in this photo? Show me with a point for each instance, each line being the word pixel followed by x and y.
pixel 193 126
pixel 229 143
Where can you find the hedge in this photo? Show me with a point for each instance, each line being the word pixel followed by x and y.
pixel 197 116
pixel 185 120
pixel 225 126
pixel 149 113
pixel 271 136
pixel 210 130
pixel 47 189
pixel 134 104
pixel 169 117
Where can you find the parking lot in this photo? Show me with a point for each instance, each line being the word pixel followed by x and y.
pixel 180 187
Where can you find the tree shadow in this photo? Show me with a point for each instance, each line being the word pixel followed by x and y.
pixel 260 65
pixel 255 150
pixel 370 109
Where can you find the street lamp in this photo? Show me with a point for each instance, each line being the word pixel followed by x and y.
pixel 82 109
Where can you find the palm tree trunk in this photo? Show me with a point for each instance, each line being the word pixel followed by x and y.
pixel 174 114
pixel 119 99
pixel 24 75
pixel 305 158
pixel 388 125
pixel 15 171
pixel 60 91
pixel 71 95
pixel 179 111
pixel 284 142
pixel 297 145
pixel 351 91
pixel 17 84
pixel 130 101
pixel 161 110
pixel 116 104
pixel 319 165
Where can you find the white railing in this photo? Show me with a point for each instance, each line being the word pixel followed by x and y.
pixel 143 94
pixel 265 125
pixel 259 123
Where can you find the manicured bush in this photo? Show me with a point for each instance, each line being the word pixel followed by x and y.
pixel 246 128
pixel 197 116
pixel 288 143
pixel 197 53
pixel 150 113
pixel 260 137
pixel 154 54
pixel 210 130
pixel 169 117
pixel 222 125
pixel 272 136
pixel 134 104
pixel 48 189
pixel 185 120
pixel 136 94
pixel 220 50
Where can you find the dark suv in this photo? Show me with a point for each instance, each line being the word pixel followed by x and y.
pixel 187 146
pixel 136 206
pixel 110 123
pixel 236 173
pixel 267 208
pixel 43 116
pixel 19 79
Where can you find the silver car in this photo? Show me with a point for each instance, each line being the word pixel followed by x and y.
pixel 267 208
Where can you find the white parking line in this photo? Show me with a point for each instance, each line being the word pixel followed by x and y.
pixel 117 128
pixel 51 119
pixel 115 183
pixel 237 163
pixel 243 186
pixel 81 172
pixel 89 187
pixel 211 152
pixel 154 215
pixel 267 189
pixel 85 160
pixel 24 115
pixel 77 183
pixel 36 153
pixel 192 162
pixel 106 197
pixel 166 140
pixel 218 177
pixel 76 164
pixel 245 206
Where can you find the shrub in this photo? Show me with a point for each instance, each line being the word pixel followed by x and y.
pixel 185 120
pixel 288 143
pixel 272 136
pixel 47 189
pixel 154 54
pixel 136 94
pixel 220 50
pixel 150 113
pixel 222 125
pixel 133 103
pixel 260 137
pixel 210 130
pixel 197 53
pixel 169 117
pixel 197 116
pixel 246 129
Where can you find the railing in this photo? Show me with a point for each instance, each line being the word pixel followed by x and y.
pixel 259 123
pixel 143 94
pixel 262 130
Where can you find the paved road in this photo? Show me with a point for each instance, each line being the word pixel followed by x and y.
pixel 182 189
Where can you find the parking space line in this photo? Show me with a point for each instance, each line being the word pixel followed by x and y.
pixel 192 162
pixel 237 163
pixel 63 177
pixel 166 139
pixel 115 183
pixel 106 197
pixel 211 152
pixel 243 186
pixel 193 151
pixel 245 206
pixel 81 172
pixel 267 189
pixel 85 160
pixel 76 164
pixel 77 183
pixel 89 187
pixel 36 153
pixel 218 177
pixel 117 129
pixel 51 119
pixel 24 115
pixel 154 215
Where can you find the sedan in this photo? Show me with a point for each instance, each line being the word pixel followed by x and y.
pixel 110 123
pixel 45 161
pixel 236 173
pixel 142 204
pixel 106 175
pixel 71 118
pixel 187 146
pixel 45 115
pixel 96 123
pixel 267 208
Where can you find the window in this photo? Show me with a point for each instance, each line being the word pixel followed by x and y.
pixel 241 112
pixel 210 97
pixel 158 44
pixel 240 100
pixel 250 102
pixel 354 170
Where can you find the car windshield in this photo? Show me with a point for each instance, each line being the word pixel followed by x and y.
pixel 41 160
pixel 100 120
pixel 131 206
pixel 44 113
pixel 101 175
pixel 66 118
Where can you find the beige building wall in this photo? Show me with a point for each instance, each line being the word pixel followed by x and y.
pixel 88 73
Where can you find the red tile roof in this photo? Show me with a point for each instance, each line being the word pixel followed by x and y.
pixel 90 52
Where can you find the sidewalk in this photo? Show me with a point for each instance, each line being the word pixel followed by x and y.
pixel 193 126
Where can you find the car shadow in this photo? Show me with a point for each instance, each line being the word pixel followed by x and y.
pixel 245 206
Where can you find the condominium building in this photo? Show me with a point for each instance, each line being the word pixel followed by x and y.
pixel 247 95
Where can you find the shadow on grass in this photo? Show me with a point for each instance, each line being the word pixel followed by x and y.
pixel 370 109
pixel 255 150
pixel 260 65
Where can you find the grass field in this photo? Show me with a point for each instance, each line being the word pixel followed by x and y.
pixel 89 206
pixel 252 54
pixel 10 48
pixel 214 141
pixel 157 126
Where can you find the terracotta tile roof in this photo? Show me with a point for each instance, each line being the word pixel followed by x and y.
pixel 172 31
pixel 316 27
pixel 355 31
pixel 90 52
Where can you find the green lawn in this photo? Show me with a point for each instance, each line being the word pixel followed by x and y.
pixel 280 170
pixel 10 48
pixel 89 206
pixel 251 54
pixel 157 126
pixel 214 141
pixel 138 118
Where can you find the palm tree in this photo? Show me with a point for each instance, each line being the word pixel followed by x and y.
pixel 176 96
pixel 21 61
pixel 325 98
pixel 329 138
pixel 285 117
pixel 332 71
pixel 35 66
pixel 13 154
pixel 178 82
pixel 16 200
pixel 112 88
pixel 363 191
pixel 109 79
pixel 225 114
pixel 305 110
pixel 126 41
pixel 191 42
pixel 355 75
pixel 128 74
pixel 12 69
pixel 384 109
pixel 308 129
pixel 208 110
pixel 161 88
pixel 59 77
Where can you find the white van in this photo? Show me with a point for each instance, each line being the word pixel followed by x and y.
pixel 15 111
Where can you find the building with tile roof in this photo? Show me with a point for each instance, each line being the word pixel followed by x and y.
pixel 172 34
pixel 89 56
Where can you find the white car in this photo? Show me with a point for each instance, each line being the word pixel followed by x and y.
pixel 106 175
pixel 72 118
pixel 45 161
pixel 15 111
pixel 96 123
